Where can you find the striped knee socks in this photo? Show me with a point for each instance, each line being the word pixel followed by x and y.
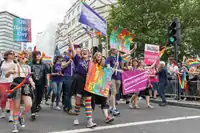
pixel 15 117
pixel 88 108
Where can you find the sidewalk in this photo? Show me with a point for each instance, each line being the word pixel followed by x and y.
pixel 181 103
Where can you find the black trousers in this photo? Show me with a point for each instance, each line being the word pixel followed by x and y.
pixel 37 97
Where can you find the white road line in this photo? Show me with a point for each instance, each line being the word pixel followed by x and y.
pixel 129 124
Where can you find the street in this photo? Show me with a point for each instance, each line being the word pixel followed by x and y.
pixel 158 120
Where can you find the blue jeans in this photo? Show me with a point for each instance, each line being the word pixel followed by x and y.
pixel 56 86
pixel 161 91
pixel 67 92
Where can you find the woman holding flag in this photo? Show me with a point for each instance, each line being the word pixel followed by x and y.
pixel 20 89
pixel 99 61
pixel 82 64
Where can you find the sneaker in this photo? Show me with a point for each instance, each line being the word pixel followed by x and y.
pixel 3 115
pixel 10 119
pixel 91 124
pixel 149 106
pixel 22 122
pixel 136 107
pixel 57 108
pixel 130 105
pixel 71 112
pixel 15 128
pixel 33 117
pixel 115 112
pixel 76 122
pixel 109 119
pixel 38 108
pixel 47 103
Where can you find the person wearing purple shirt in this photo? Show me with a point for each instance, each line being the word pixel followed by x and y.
pixel 82 63
pixel 57 81
pixel 68 69
pixel 114 61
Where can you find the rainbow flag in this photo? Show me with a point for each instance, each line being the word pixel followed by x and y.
pixel 126 59
pixel 194 64
pixel 46 59
pixel 98 80
pixel 162 52
pixel 182 80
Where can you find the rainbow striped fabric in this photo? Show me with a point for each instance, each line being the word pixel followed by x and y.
pixel 162 52
pixel 194 64
pixel 47 59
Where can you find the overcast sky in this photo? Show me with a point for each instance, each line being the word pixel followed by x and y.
pixel 41 12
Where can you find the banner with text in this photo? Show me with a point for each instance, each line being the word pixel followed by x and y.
pixel 92 19
pixel 98 80
pixel 134 81
pixel 151 54
pixel 22 30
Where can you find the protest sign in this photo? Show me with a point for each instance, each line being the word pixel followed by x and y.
pixel 134 81
pixel 151 54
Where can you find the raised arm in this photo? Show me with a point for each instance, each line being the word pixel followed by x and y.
pixel 72 48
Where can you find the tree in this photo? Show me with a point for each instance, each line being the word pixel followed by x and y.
pixel 149 20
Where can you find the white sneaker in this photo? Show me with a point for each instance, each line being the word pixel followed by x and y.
pixel 76 122
pixel 91 124
pixel 57 108
pixel 130 105
pixel 10 118
pixel 3 115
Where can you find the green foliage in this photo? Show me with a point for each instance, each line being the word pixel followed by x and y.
pixel 149 20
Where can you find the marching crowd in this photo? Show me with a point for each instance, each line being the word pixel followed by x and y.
pixel 30 82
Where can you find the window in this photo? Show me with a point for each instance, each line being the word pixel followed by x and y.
pixel 86 44
pixel 78 9
pixel 73 21
pixel 72 13
pixel 69 24
pixel 69 16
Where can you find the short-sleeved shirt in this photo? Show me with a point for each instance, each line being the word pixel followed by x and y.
pixel 112 60
pixel 69 70
pixel 57 69
pixel 153 79
pixel 6 67
pixel 81 66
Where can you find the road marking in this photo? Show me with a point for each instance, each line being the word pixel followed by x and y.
pixel 129 124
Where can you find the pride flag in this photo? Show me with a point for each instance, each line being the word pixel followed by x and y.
pixel 162 52
pixel 194 64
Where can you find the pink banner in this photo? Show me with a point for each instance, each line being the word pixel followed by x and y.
pixel 134 81
pixel 151 54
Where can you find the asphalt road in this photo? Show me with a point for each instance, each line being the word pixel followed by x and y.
pixel 158 120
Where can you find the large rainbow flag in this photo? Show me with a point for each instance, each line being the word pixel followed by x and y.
pixel 121 39
pixel 98 80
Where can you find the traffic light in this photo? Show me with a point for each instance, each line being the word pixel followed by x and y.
pixel 174 32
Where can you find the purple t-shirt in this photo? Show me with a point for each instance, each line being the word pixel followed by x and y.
pixel 68 71
pixel 81 66
pixel 112 60
pixel 57 69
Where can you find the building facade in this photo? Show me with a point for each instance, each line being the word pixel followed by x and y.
pixel 6 33
pixel 71 26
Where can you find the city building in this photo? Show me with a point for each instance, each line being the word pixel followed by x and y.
pixel 6 33
pixel 71 26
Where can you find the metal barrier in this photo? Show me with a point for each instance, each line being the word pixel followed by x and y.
pixel 192 92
